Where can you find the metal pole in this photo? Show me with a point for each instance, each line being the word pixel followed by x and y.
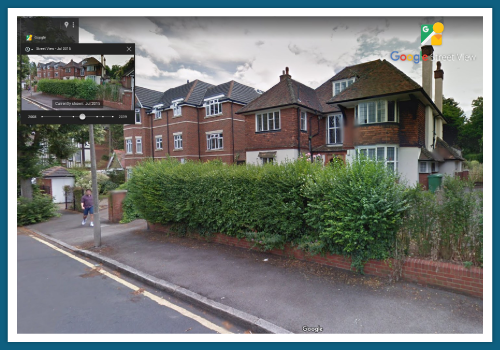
pixel 95 189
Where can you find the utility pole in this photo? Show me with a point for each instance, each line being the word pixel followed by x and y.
pixel 95 189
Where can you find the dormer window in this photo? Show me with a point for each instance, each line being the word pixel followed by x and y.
pixel 213 107
pixel 157 114
pixel 177 109
pixel 341 85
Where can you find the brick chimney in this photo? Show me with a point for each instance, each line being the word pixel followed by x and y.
pixel 427 69
pixel 285 74
pixel 438 94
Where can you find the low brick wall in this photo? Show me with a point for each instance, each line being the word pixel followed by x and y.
pixel 115 199
pixel 453 277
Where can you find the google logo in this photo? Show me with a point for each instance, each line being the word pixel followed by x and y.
pixel 395 56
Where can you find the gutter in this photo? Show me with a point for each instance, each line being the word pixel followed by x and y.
pixel 168 133
pixel 298 120
pixel 198 120
pixel 232 127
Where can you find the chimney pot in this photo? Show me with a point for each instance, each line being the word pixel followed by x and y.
pixel 286 70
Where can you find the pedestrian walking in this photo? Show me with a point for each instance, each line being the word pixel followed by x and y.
pixel 88 207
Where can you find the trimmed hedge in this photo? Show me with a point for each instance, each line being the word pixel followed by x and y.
pixel 354 210
pixel 78 88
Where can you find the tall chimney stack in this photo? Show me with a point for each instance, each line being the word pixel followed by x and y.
pixel 427 69
pixel 438 94
pixel 285 74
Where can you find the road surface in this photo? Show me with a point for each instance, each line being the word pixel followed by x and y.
pixel 59 292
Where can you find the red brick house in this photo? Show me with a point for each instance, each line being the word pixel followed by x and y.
pixel 195 121
pixel 371 108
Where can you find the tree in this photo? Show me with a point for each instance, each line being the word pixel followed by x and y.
pixel 472 133
pixel 125 68
pixel 116 137
pixel 456 118
pixel 114 69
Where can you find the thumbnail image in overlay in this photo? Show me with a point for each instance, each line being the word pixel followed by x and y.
pixel 78 82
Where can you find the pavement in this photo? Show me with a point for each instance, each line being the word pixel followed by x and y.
pixel 44 101
pixel 286 293
pixel 59 294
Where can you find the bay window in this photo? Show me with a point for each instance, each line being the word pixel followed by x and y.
pixel 381 153
pixel 380 111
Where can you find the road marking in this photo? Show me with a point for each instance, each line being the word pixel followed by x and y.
pixel 147 294
pixel 34 103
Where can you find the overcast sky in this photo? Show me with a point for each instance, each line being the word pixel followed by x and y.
pixel 254 51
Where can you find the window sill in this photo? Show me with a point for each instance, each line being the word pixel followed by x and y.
pixel 378 123
pixel 178 149
pixel 176 116
pixel 158 149
pixel 266 131
pixel 334 144
pixel 213 116
pixel 215 150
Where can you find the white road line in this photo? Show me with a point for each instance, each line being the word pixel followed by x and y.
pixel 151 296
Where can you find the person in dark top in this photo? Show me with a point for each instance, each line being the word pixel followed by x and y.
pixel 88 207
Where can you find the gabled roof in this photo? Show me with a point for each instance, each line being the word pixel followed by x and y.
pixel 191 93
pixel 375 78
pixel 90 61
pixel 57 171
pixel 232 90
pixel 147 97
pixel 286 92
pixel 73 64
pixel 117 160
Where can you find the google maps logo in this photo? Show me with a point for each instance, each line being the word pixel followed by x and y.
pixel 432 32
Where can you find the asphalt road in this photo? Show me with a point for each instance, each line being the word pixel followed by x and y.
pixel 58 294
pixel 29 106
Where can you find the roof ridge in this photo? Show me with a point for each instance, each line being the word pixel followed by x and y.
pixel 230 91
pixel 195 82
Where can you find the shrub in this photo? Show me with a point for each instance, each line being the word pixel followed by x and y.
pixel 85 181
pixel 447 225
pixel 40 208
pixel 83 89
pixel 355 210
pixel 77 195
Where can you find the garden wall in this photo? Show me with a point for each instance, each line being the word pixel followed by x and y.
pixel 449 276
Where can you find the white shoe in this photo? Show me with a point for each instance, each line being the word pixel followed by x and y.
pixel 83 222
pixel 91 224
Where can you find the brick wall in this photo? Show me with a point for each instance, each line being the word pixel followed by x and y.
pixel 115 211
pixel 443 275
pixel 284 138
pixel 411 123
pixel 371 134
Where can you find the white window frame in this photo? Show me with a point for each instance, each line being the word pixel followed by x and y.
pixel 335 127
pixel 263 121
pixel 78 157
pixel 374 151
pixel 68 70
pixel 266 160
pixel 380 109
pixel 138 113
pixel 159 142
pixel 426 169
pixel 341 85
pixel 157 113
pixel 303 121
pixel 213 107
pixel 129 173
pixel 138 141
pixel 91 69
pixel 178 140
pixel 128 145
pixel 215 141
pixel 56 74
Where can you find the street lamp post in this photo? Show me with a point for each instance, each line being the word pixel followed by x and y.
pixel 95 189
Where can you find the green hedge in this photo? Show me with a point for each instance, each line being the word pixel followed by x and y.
pixel 78 88
pixel 354 210
pixel 40 208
